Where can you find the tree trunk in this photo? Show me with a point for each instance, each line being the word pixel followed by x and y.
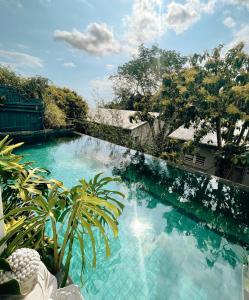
pixel 218 133
pixel 241 135
pixel 220 171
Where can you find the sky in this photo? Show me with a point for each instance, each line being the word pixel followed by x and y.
pixel 80 43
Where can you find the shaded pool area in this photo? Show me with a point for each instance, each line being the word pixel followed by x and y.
pixel 182 235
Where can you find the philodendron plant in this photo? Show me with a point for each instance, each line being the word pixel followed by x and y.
pixel 35 206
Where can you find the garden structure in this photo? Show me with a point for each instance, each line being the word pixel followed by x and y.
pixel 19 113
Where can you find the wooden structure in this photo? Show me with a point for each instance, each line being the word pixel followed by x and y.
pixel 18 113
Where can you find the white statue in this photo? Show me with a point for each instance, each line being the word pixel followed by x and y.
pixel 35 281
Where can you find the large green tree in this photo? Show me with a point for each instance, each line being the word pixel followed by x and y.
pixel 142 75
pixel 221 101
pixel 211 93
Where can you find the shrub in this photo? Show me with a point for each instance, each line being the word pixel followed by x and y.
pixel 54 117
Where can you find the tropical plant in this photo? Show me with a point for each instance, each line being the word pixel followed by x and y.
pixel 34 204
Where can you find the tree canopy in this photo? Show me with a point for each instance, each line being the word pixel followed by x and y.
pixel 210 92
pixel 142 75
pixel 62 105
pixel 30 87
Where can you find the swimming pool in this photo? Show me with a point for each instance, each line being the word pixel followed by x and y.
pixel 164 250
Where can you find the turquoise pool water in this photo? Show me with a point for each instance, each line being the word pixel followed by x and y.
pixel 163 251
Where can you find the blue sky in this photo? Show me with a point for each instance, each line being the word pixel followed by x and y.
pixel 79 43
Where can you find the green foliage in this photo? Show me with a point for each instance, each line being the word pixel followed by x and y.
pixel 63 106
pixel 4 265
pixel 220 95
pixel 112 134
pixel 212 93
pixel 54 117
pixel 32 203
pixel 142 75
pixel 10 287
pixel 32 87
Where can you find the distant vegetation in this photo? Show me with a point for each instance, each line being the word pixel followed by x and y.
pixel 63 106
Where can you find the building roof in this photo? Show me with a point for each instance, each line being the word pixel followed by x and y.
pixel 115 117
pixel 187 134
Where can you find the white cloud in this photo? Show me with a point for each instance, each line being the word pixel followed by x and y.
pixel 102 89
pixel 12 3
pixel 181 16
pixel 22 46
pixel 150 19
pixel 240 36
pixel 103 84
pixel 69 65
pixel 20 60
pixel 97 39
pixel 145 23
pixel 238 2
pixel 87 3
pixel 109 67
pixel 229 22
pixel 45 2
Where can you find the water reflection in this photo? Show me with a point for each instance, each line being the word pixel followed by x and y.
pixel 164 249
pixel 139 228
pixel 221 207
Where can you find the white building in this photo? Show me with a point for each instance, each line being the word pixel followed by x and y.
pixel 204 158
pixel 139 130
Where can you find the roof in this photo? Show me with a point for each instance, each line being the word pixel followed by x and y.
pixel 187 134
pixel 115 117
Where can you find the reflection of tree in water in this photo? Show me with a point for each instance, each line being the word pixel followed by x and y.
pixel 214 246
pixel 210 202
pixel 216 196
pixel 97 148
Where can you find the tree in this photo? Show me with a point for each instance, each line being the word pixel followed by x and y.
pixel 212 93
pixel 174 106
pixel 29 87
pixel 63 106
pixel 142 75
pixel 221 101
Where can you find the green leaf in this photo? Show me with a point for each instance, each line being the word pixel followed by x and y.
pixel 4 265
pixel 11 287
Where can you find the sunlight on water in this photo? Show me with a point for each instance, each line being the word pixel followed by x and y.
pixel 139 228
pixel 161 253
